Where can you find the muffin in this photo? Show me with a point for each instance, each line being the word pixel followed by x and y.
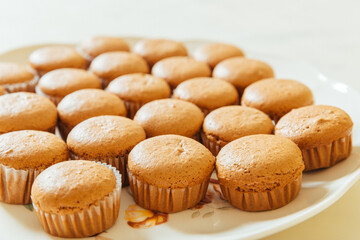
pixel 175 70
pixel 241 72
pixel 260 172
pixel 86 103
pixel 2 91
pixel 26 111
pixel 110 65
pixel 107 139
pixel 47 59
pixel 137 89
pixel 92 47
pixel 207 93
pixel 154 50
pixel 170 116
pixel 17 78
pixel 276 97
pixel 228 123
pixel 213 53
pixel 323 133
pixel 55 85
pixel 23 155
pixel 169 173
pixel 85 202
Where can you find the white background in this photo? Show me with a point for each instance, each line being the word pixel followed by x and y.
pixel 323 33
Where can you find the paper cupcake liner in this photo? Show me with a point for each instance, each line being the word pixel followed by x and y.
pixel 15 185
pixel 28 86
pixel 64 130
pixel 132 108
pixel 327 155
pixel 119 162
pixel 86 222
pixel 54 99
pixel 262 201
pixel 105 82
pixel 164 199
pixel 212 146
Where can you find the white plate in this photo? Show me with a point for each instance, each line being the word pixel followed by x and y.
pixel 217 220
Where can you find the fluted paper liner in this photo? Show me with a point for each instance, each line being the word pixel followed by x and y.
pixel 165 199
pixel 28 86
pixel 212 146
pixel 15 185
pixel 327 155
pixel 131 108
pixel 86 222
pixel 119 162
pixel 262 201
pixel 64 130
pixel 54 99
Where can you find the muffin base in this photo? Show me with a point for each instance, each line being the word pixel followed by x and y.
pixel 262 201
pixel 28 86
pixel 131 108
pixel 212 146
pixel 119 162
pixel 165 199
pixel 54 99
pixel 86 222
pixel 15 185
pixel 325 156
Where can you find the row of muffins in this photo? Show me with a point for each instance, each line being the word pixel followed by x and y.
pixel 270 167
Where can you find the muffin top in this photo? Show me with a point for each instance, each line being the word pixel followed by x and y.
pixel 171 161
pixel 86 103
pixel 104 136
pixel 30 149
pixel 111 65
pixel 259 163
pixel 213 53
pixel 153 50
pixel 175 70
pixel 14 73
pixel 242 72
pixel 316 125
pixel 170 116
pixel 50 58
pixel 276 97
pixel 72 186
pixel 61 82
pixel 94 46
pixel 205 92
pixel 228 123
pixel 139 87
pixel 26 111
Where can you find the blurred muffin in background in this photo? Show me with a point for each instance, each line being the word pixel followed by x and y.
pixel 17 78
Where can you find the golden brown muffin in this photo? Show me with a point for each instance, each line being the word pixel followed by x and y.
pixel 169 173
pixel 17 78
pixel 170 116
pixel 107 139
pixel 86 103
pixel 92 47
pixel 110 65
pixel 213 53
pixel 260 172
pixel 26 111
pixel 175 70
pixel 23 155
pixel 86 191
pixel 154 50
pixel 55 85
pixel 2 91
pixel 323 133
pixel 228 123
pixel 47 59
pixel 207 93
pixel 276 97
pixel 241 72
pixel 137 89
